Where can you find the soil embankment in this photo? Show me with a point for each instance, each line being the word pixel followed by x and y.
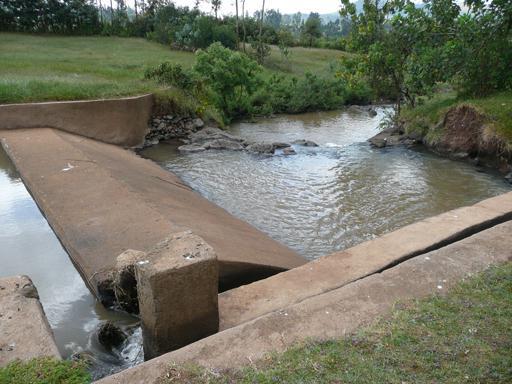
pixel 463 133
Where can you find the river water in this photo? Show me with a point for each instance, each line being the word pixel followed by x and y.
pixel 28 246
pixel 330 197
pixel 318 201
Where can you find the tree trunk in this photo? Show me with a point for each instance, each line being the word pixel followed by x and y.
pixel 136 13
pixel 237 29
pixel 262 16
pixel 111 13
pixel 243 22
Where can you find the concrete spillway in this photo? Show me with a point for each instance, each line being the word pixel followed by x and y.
pixel 101 199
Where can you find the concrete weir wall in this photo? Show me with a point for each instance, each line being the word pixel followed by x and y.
pixel 121 122
pixel 336 313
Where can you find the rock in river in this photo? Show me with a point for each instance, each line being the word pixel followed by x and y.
pixel 191 148
pixel 210 133
pixel 305 143
pixel 110 335
pixel 261 148
pixel 289 151
pixel 224 144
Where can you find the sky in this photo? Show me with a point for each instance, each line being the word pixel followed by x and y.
pixel 285 6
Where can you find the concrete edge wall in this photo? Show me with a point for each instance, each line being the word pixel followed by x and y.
pixel 121 121
pixel 337 313
pixel 330 272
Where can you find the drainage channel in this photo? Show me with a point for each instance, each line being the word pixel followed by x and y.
pixel 29 247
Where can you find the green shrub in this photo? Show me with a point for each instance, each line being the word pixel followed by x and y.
pixel 171 74
pixel 231 76
pixel 44 371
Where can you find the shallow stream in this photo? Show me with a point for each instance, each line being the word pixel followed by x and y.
pixel 333 196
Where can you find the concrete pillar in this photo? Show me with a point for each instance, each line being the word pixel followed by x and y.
pixel 177 287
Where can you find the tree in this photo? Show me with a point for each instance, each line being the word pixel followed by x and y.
pixel 231 75
pixel 262 49
pixel 312 28
pixel 274 18
pixel 215 7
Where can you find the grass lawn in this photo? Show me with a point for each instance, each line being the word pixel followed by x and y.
pixel 464 337
pixel 45 67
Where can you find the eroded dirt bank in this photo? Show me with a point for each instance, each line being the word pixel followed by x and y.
pixel 463 133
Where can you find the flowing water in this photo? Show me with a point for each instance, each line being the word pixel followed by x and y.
pixel 28 246
pixel 330 197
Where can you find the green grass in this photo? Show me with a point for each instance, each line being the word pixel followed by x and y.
pixel 44 371
pixel 45 67
pixel 497 109
pixel 314 60
pixel 463 337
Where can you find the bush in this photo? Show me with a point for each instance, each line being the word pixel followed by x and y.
pixel 171 74
pixel 44 371
pixel 282 94
pixel 231 76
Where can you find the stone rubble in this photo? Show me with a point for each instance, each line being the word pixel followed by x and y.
pixel 198 138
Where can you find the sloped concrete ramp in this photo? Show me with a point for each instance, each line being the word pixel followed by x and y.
pixel 102 200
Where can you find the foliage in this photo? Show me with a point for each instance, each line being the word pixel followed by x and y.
pixel 44 371
pixel 409 49
pixel 167 23
pixel 232 76
pixel 235 84
pixel 47 16
pixel 312 29
pixel 48 67
pixel 463 337
pixel 171 74
pixel 282 94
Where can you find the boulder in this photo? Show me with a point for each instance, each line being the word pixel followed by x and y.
pixel 289 151
pixel 191 148
pixel 372 112
pixel 508 177
pixel 223 144
pixel 261 148
pixel 305 143
pixel 210 133
pixel 198 123
pixel 110 335
pixel 280 145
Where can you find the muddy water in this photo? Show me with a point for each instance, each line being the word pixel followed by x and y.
pixel 28 246
pixel 336 195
